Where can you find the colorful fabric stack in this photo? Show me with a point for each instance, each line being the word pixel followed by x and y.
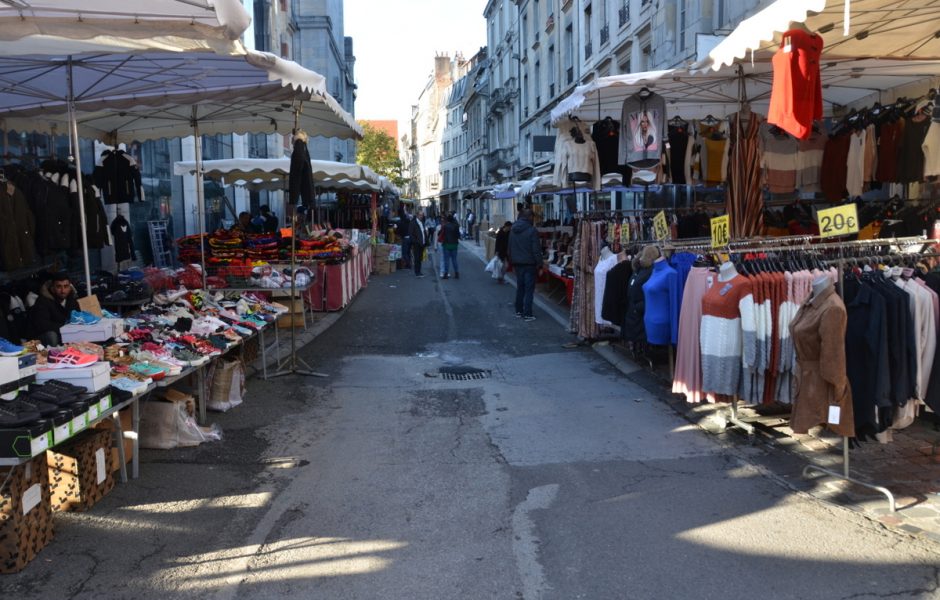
pixel 188 249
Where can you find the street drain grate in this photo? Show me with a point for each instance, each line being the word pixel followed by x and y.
pixel 464 373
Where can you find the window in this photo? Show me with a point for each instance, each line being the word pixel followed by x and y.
pixel 569 47
pixel 283 4
pixel 525 94
pixel 538 84
pixel 525 33
pixel 682 20
pixel 588 25
pixel 624 61
pixel 535 17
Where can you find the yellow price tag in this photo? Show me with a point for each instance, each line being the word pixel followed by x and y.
pixel 660 226
pixel 839 220
pixel 721 231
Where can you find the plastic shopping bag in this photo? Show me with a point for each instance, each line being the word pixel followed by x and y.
pixel 491 266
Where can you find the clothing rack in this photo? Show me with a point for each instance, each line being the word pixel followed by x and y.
pixel 845 475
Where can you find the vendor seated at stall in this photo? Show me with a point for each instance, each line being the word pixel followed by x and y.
pixel 244 223
pixel 52 309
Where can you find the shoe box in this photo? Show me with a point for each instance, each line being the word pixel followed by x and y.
pixel 28 440
pixel 26 525
pixel 79 471
pixel 103 330
pixel 15 368
pixel 94 377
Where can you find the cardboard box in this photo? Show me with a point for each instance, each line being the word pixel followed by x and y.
pixel 126 425
pixel 93 378
pixel 79 471
pixel 25 514
pixel 290 320
pixel 103 330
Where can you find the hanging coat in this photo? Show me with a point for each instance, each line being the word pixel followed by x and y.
pixel 300 182
pixel 123 239
pixel 17 246
pixel 818 333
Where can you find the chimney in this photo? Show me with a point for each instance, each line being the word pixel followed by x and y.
pixel 442 67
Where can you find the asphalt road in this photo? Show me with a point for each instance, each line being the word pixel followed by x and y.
pixel 553 477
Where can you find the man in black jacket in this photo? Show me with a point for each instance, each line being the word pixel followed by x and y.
pixel 419 240
pixel 53 308
pixel 525 252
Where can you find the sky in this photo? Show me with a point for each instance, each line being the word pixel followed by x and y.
pixel 395 42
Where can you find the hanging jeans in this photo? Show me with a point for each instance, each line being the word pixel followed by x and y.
pixel 525 288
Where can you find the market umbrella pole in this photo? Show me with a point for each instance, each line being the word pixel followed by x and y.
pixel 73 134
pixel 294 359
pixel 200 198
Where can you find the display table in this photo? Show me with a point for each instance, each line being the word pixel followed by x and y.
pixel 336 285
pixel 549 277
pixel 112 413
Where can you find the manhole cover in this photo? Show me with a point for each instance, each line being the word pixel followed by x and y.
pixel 464 373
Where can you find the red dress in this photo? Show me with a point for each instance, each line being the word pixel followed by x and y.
pixel 796 97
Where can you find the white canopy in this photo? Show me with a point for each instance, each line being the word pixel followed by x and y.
pixel 59 27
pixel 158 94
pixel 281 184
pixel 850 28
pixel 272 169
pixel 698 94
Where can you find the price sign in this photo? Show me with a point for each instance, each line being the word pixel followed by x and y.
pixel 839 220
pixel 721 231
pixel 660 226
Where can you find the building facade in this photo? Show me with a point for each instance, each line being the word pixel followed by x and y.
pixel 464 141
pixel 505 73
pixel 429 118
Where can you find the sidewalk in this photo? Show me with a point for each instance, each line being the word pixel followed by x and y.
pixel 909 466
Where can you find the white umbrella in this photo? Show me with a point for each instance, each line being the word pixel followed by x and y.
pixel 62 27
pixel 271 169
pixel 156 95
pixel 700 93
pixel 900 29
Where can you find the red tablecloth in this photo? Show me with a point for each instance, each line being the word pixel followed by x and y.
pixel 341 282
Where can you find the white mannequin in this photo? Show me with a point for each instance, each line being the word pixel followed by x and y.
pixel 727 271
pixel 820 285
pixel 605 253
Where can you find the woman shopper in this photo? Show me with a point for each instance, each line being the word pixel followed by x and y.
pixel 450 243
pixel 502 249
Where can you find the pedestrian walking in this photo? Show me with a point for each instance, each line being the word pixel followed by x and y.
pixel 502 249
pixel 470 220
pixel 450 242
pixel 404 233
pixel 419 241
pixel 525 252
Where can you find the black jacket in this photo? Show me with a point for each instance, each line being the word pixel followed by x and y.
pixel 300 182
pixel 524 245
pixel 634 329
pixel 123 239
pixel 451 233
pixel 96 221
pixel 53 216
pixel 615 301
pixel 502 244
pixel 415 230
pixel 47 314
pixel 118 179
pixel 17 228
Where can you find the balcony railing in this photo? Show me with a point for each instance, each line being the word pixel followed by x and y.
pixel 624 15
pixel 605 34
pixel 550 23
pixel 570 75
pixel 588 50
